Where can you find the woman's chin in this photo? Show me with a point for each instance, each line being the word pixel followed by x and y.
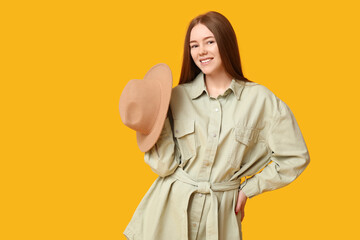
pixel 206 71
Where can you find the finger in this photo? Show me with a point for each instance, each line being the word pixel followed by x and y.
pixel 238 205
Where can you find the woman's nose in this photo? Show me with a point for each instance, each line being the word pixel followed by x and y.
pixel 203 50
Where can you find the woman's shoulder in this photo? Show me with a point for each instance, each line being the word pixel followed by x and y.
pixel 262 93
pixel 180 87
pixel 258 90
pixel 181 90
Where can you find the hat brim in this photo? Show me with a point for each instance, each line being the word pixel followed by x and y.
pixel 161 76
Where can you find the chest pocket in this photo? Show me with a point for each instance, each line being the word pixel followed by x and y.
pixel 244 138
pixel 184 132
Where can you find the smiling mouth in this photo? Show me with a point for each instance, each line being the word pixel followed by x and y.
pixel 206 60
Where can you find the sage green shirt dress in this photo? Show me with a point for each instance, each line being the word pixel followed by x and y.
pixel 209 148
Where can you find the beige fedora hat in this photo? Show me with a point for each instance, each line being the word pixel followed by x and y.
pixel 144 104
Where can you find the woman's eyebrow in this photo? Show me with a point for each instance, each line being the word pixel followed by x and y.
pixel 203 39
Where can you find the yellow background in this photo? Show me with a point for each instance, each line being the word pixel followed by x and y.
pixel 71 170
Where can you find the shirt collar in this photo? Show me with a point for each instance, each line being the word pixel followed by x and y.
pixel 198 86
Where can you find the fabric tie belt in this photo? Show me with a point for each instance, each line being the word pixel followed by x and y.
pixel 206 188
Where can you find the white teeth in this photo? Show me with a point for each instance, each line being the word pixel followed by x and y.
pixel 207 60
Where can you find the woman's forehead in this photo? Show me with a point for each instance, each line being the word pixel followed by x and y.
pixel 200 32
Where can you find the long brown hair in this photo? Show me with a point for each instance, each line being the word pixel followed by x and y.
pixel 225 36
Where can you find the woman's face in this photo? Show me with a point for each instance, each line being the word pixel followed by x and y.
pixel 204 50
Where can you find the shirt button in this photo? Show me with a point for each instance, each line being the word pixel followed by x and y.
pixel 200 194
pixel 214 135
pixel 216 109
pixel 194 224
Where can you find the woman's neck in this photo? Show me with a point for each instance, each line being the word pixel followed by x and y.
pixel 216 84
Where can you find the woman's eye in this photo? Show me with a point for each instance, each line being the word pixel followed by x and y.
pixel 193 46
pixel 210 42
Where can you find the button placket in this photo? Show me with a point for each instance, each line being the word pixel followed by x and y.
pixel 212 139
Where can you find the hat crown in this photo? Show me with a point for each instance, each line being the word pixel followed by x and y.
pixel 139 105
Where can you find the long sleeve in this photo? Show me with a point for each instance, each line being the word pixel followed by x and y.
pixel 161 157
pixel 289 154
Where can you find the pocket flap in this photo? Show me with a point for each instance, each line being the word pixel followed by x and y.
pixel 245 134
pixel 183 127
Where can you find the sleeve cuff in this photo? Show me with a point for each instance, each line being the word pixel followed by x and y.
pixel 249 187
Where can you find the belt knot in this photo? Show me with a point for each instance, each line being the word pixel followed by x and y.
pixel 203 187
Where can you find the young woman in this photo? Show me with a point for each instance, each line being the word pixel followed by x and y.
pixel 221 128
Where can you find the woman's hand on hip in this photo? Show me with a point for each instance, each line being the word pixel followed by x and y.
pixel 240 205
